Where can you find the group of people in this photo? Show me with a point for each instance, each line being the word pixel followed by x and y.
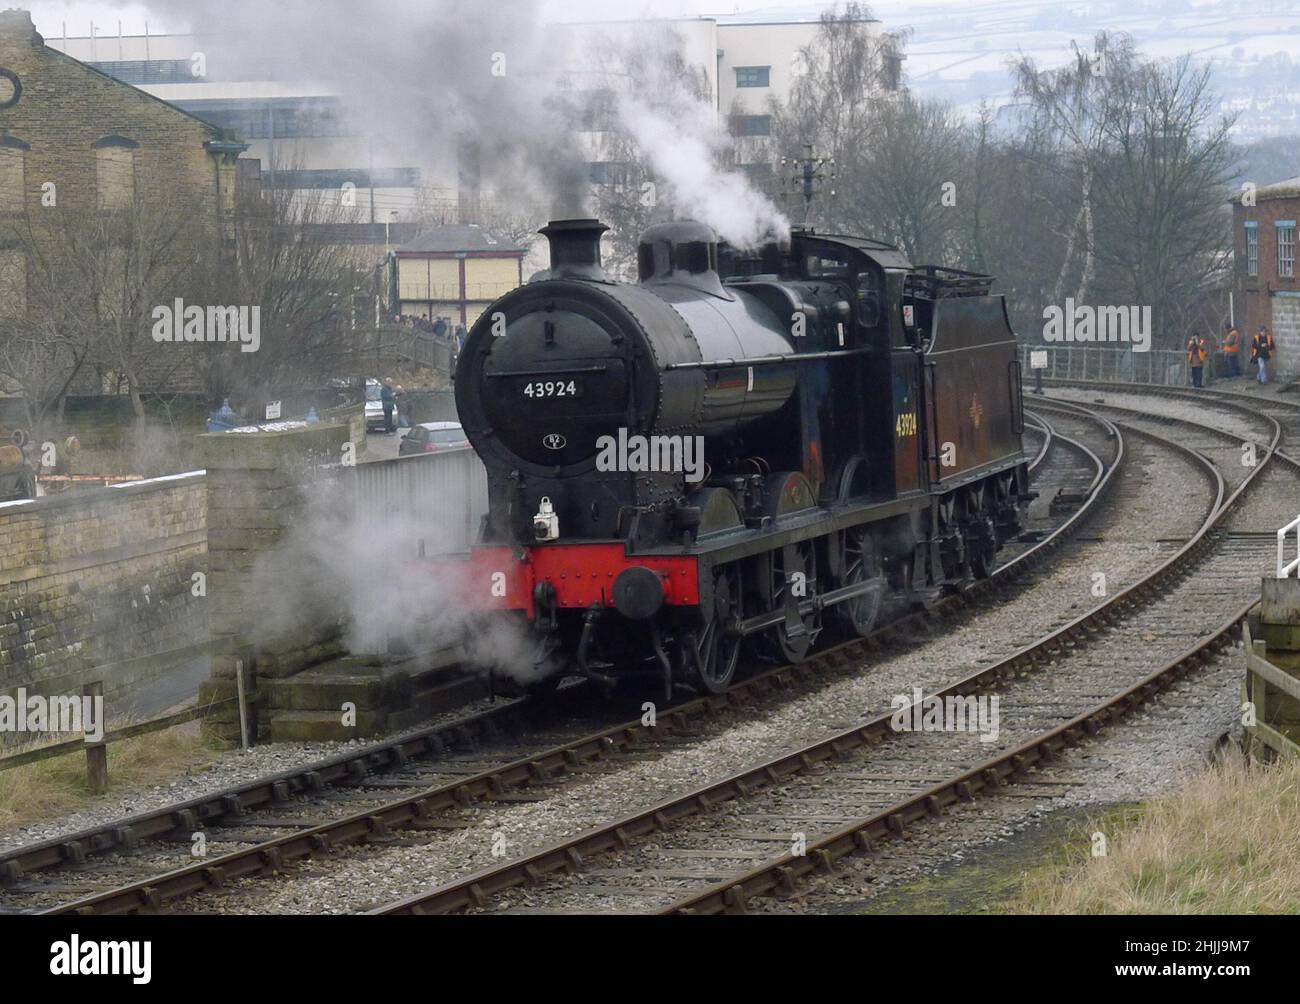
pixel 1261 353
pixel 439 327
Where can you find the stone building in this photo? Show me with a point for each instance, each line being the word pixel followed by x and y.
pixel 75 140
pixel 1267 290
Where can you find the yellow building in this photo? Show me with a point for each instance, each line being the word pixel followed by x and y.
pixel 454 271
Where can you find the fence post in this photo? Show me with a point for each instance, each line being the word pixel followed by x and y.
pixel 243 703
pixel 96 753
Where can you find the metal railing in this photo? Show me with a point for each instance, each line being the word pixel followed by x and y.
pixel 1090 362
pixel 1284 569
pixel 438 499
pixel 444 494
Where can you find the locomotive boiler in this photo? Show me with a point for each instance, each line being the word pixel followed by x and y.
pixel 737 449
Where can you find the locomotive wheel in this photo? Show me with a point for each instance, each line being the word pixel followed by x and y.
pixel 795 635
pixel 982 547
pixel 717 652
pixel 862 563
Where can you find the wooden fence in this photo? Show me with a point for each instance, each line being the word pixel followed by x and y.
pixel 1260 674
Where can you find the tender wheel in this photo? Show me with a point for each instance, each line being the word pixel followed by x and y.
pixel 862 562
pixel 716 652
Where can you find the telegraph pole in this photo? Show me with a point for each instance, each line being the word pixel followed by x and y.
pixel 810 177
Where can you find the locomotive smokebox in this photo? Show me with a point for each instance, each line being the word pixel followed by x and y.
pixel 575 248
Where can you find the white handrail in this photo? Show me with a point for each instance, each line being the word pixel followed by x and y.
pixel 1285 570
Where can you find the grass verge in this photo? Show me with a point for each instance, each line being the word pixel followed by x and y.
pixel 50 788
pixel 1225 843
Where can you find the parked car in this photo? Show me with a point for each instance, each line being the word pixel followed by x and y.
pixel 433 437
pixel 375 406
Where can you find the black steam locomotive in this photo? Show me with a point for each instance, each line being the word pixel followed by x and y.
pixel 737 449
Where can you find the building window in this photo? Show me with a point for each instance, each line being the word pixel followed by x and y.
pixel 610 172
pixel 13 153
pixel 115 172
pixel 751 125
pixel 150 71
pixel 1252 249
pixel 1286 248
pixel 279 118
pixel 753 76
pixel 758 174
pixel 333 178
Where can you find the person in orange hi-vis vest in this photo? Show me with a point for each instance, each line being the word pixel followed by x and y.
pixel 1232 349
pixel 1197 349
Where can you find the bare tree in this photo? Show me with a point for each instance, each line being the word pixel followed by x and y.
pixel 1165 184
pixel 1077 103
pixel 44 341
pixel 288 256
pixel 97 275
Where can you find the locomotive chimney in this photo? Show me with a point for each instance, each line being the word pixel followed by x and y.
pixel 575 248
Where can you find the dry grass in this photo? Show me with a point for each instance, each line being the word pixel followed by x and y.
pixel 49 788
pixel 1228 842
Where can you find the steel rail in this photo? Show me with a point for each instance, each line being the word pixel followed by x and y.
pixel 376 824
pixel 1045 427
pixel 126 833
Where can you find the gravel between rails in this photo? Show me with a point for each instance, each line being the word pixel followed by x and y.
pixel 361 877
pixel 1151 754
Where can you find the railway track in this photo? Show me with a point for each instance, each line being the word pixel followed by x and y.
pixel 476 777
pixel 1106 654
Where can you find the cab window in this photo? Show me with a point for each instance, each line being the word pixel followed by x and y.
pixel 867 294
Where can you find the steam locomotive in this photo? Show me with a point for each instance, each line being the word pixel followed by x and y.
pixel 741 448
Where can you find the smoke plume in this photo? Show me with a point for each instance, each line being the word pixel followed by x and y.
pixel 426 80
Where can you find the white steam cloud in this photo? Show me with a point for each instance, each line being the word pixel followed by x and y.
pixel 358 572
pixel 424 81
pixel 682 145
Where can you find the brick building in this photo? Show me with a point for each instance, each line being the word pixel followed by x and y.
pixel 74 140
pixel 1267 290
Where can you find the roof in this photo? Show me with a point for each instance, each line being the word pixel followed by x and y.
pixel 451 237
pixel 796 14
pixel 1289 189
pixel 17 23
